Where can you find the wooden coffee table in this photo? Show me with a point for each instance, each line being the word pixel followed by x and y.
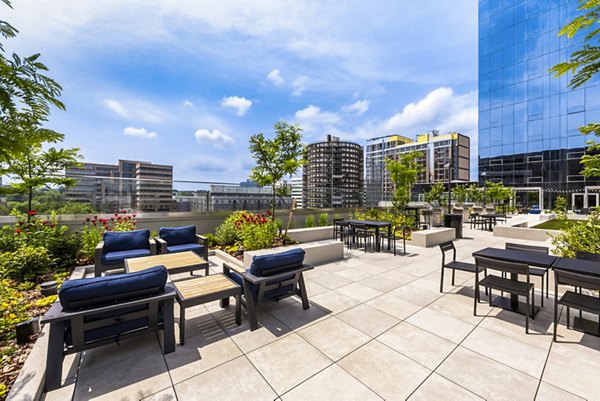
pixel 180 262
pixel 200 290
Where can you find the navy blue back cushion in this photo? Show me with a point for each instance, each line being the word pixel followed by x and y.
pixel 98 291
pixel 126 240
pixel 178 235
pixel 265 265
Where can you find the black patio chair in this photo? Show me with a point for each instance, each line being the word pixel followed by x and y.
pixel 534 271
pixel 360 232
pixel 576 300
pixel 455 265
pixel 340 229
pixel 475 220
pixel 391 238
pixel 500 283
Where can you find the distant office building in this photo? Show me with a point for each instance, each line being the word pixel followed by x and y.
pixel 197 201
pixel 529 120
pixel 246 196
pixel 136 185
pixel 442 155
pixel 333 175
pixel 297 191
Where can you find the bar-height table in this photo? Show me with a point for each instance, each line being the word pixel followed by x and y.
pixel 377 225
pixel 530 258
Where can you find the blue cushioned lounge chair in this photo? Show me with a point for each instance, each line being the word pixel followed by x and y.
pixel 101 310
pixel 120 245
pixel 270 278
pixel 182 239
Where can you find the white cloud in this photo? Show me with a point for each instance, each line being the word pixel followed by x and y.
pixel 359 107
pixel 313 120
pixel 135 109
pixel 240 104
pixel 187 103
pixel 116 107
pixel 217 137
pixel 299 85
pixel 140 133
pixel 441 109
pixel 275 77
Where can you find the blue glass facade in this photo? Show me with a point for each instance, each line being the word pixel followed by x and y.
pixel 529 120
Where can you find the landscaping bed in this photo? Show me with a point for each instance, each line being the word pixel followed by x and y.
pixel 557 224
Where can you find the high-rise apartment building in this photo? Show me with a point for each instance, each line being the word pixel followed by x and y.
pixel 443 158
pixel 333 175
pixel 297 191
pixel 136 185
pixel 529 120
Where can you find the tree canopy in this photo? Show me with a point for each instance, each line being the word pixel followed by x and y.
pixel 277 157
pixel 404 173
pixel 26 95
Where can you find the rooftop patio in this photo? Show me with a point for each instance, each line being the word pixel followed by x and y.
pixel 377 328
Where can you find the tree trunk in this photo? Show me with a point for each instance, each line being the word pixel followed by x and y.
pixel 273 203
pixel 29 202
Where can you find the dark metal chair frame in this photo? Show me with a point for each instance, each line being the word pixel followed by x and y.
pixel 360 231
pixel 574 299
pixel 340 229
pixel 534 271
pixel 475 220
pixel 100 268
pixel 587 256
pixel 392 237
pixel 454 265
pixel 158 309
pixel 516 287
pixel 293 277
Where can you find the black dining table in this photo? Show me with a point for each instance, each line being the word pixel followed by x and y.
pixel 491 219
pixel 530 258
pixel 586 268
pixel 377 225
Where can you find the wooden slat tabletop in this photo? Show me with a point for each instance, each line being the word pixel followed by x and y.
pixel 204 285
pixel 169 260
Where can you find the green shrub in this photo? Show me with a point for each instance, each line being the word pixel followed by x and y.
pixel 258 236
pixel 64 250
pixel 323 219
pixel 309 222
pixel 13 309
pixel 211 239
pixel 76 208
pixel 560 207
pixel 90 237
pixel 227 233
pixel 579 237
pixel 25 264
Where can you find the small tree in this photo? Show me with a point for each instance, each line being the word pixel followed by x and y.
pixel 474 194
pixel 277 157
pixel 560 207
pixel 436 194
pixel 37 168
pixel 460 193
pixel 497 192
pixel 403 174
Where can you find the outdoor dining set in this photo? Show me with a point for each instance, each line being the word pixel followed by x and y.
pixel 369 233
pixel 511 270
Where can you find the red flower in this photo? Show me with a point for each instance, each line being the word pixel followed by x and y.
pixel 44 222
pixel 116 213
pixel 95 216
pixel 94 221
pixel 133 215
pixel 52 225
pixel 112 219
pixel 87 219
pixel 134 223
pixel 18 231
pixel 21 223
pixel 32 213
pixel 268 212
pixel 123 211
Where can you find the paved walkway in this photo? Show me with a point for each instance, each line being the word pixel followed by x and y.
pixel 378 328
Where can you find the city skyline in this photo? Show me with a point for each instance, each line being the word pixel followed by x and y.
pixel 187 84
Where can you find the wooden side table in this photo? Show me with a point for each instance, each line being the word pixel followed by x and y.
pixel 197 291
pixel 180 262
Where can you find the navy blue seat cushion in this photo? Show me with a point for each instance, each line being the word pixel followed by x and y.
pixel 115 241
pixel 98 291
pixel 275 263
pixel 118 257
pixel 178 235
pixel 199 249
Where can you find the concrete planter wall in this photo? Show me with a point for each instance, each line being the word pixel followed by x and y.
pixel 318 252
pixel 432 237
pixel 311 234
pixel 524 233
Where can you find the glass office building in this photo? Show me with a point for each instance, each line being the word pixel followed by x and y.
pixel 529 120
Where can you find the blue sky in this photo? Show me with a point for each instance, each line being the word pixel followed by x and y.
pixel 187 82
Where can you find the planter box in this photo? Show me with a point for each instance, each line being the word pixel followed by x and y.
pixel 318 252
pixel 524 233
pixel 304 235
pixel 432 237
